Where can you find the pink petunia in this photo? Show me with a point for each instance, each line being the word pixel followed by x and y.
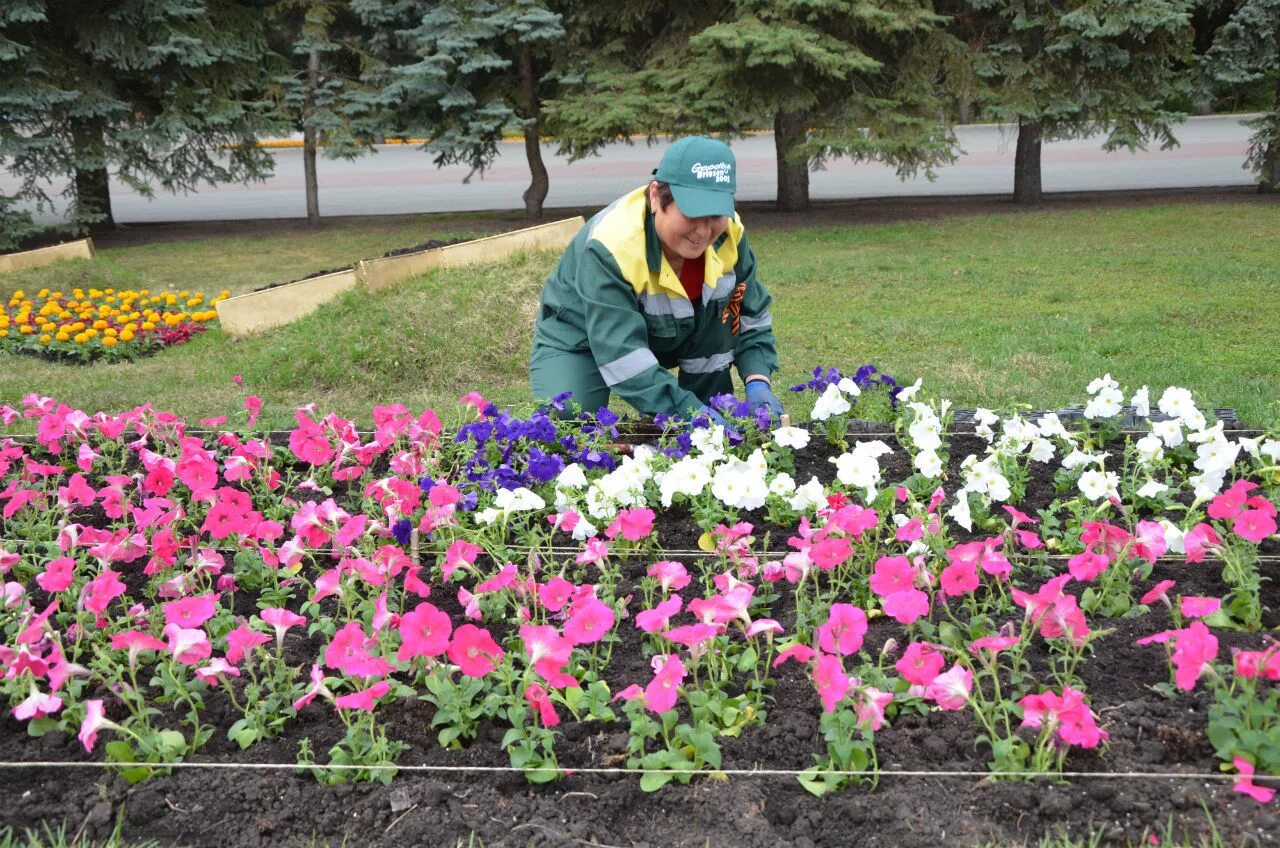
pixel 95 720
pixel 1087 565
pixel 843 630
pixel 632 524
pixel 317 687
pixel 1245 785
pixel 281 620
pixel 892 574
pixel 1198 540
pixel 189 646
pixel 1195 606
pixel 672 576
pixel 920 664
pixel 831 681
pixel 555 593
pixel 589 622
pixel 540 699
pixel 191 612
pixel 352 652
pixel 241 641
pixel 959 578
pixel 992 644
pixel 661 693
pixel 1158 592
pixel 424 632
pixel 473 650
pixel 1229 503
pixel 1149 541
pixel 37 704
pixel 950 690
pixel 365 699
pixel 461 554
pixel 799 652
pixel 57 575
pixel 1194 649
pixel 830 552
pixel 1254 525
pixel 656 620
pixel 906 606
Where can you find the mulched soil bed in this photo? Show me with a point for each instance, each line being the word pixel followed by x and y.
pixel 1148 734
pixel 400 251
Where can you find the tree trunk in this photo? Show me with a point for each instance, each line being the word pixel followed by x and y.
pixel 1026 164
pixel 1270 182
pixel 92 209
pixel 793 177
pixel 309 139
pixel 539 183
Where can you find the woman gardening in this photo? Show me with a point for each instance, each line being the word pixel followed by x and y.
pixel 661 278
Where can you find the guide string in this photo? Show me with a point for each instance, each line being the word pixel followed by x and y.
pixel 569 772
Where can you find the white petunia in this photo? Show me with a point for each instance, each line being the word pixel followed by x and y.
pixel 1096 485
pixel 929 464
pixel 849 387
pixel 1078 458
pixel 572 477
pixel 687 476
pixel 959 513
pixel 1217 456
pixel 1042 450
pixel 1151 489
pixel 1101 383
pixel 809 497
pixel 1150 449
pixel 1206 486
pixel 1173 536
pixel 1271 449
pixel 1105 404
pixel 908 393
pixel 782 485
pixel 795 438
pixel 1170 432
pixel 1051 425
pixel 1141 402
pixel 739 485
pixel 831 403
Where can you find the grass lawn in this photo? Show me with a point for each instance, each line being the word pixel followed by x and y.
pixel 990 310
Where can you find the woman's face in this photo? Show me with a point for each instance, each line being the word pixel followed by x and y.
pixel 687 238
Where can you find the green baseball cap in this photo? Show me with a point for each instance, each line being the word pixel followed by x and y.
pixel 703 176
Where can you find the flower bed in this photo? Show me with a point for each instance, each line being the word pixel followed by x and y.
pixel 102 324
pixel 1015 599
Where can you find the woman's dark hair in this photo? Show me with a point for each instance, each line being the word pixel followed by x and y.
pixel 665 197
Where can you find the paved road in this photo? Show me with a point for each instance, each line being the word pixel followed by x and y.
pixel 402 179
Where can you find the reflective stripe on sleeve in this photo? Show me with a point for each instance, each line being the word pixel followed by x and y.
pixel 707 365
pixel 626 367
pixel 758 322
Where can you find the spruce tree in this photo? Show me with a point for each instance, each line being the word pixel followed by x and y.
pixel 327 92
pixel 468 73
pixel 830 77
pixel 1245 49
pixel 1071 68
pixel 161 93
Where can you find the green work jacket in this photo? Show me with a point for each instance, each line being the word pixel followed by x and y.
pixel 613 294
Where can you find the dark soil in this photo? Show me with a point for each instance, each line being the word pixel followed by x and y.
pixel 400 251
pixel 1148 734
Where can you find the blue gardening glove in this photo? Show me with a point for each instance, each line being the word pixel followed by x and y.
pixel 760 394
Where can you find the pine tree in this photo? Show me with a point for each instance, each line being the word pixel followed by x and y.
pixel 831 77
pixel 153 92
pixel 1245 49
pixel 475 70
pixel 1070 68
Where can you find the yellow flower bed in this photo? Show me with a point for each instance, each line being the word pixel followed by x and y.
pixel 93 324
